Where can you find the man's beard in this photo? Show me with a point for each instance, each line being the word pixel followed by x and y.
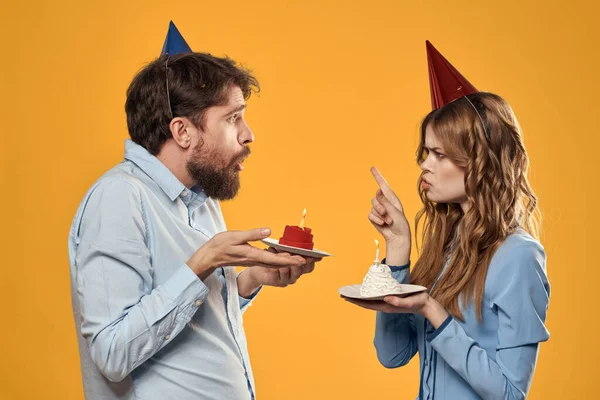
pixel 217 181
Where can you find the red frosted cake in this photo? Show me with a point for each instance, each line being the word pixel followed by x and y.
pixel 295 236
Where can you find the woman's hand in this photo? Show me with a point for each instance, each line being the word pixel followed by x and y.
pixel 387 216
pixel 420 303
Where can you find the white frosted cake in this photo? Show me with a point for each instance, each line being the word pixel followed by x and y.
pixel 379 282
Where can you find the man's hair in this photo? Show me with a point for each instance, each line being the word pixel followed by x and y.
pixel 183 85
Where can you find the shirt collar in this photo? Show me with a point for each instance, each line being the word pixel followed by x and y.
pixel 159 173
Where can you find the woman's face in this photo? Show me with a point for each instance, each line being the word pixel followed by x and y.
pixel 442 180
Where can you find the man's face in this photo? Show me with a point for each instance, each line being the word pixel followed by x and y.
pixel 217 159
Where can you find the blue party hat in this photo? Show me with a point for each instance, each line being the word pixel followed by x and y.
pixel 174 42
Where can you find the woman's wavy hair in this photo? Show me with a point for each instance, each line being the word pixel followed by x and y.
pixel 500 198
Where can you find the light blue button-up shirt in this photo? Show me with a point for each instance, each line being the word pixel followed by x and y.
pixel 468 360
pixel 148 327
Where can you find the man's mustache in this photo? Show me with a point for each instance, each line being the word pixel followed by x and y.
pixel 243 154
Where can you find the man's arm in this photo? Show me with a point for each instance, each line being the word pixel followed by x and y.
pixel 123 319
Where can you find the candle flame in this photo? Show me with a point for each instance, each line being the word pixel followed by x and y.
pixel 303 217
pixel 377 243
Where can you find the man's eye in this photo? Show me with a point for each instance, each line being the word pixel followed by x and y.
pixel 232 118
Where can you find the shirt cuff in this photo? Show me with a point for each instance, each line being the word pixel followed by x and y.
pixel 186 290
pixel 395 268
pixel 431 336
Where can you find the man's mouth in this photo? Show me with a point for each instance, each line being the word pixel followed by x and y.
pixel 239 164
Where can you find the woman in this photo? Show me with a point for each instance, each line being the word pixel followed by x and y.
pixel 478 327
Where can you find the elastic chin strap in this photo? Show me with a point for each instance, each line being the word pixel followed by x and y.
pixel 167 84
pixel 479 115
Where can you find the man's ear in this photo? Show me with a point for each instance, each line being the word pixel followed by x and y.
pixel 179 128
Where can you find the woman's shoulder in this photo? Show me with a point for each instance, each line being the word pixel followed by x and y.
pixel 520 243
pixel 517 289
pixel 519 257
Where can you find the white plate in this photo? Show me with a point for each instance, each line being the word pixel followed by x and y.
pixel 353 292
pixel 296 250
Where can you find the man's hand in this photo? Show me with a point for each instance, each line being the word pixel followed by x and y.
pixel 255 276
pixel 232 248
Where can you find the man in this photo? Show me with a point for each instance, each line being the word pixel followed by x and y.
pixel 157 302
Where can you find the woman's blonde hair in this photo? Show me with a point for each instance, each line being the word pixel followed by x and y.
pixel 489 147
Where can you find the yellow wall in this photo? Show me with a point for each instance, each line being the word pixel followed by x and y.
pixel 344 87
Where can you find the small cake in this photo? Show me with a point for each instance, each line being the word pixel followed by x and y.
pixel 296 236
pixel 379 282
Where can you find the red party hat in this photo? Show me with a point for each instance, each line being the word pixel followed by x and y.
pixel 445 82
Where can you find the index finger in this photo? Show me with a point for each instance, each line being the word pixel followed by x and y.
pixel 385 188
pixel 379 178
pixel 241 237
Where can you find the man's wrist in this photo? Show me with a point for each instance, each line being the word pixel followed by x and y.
pixel 201 267
pixel 247 283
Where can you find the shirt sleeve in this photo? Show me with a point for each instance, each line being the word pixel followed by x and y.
pixel 519 295
pixel 396 334
pixel 124 319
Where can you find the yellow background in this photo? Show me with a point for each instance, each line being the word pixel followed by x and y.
pixel 344 87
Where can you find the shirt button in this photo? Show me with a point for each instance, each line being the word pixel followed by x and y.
pixel 197 303
pixel 167 337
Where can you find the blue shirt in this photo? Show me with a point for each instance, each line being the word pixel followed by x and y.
pixel 468 360
pixel 148 327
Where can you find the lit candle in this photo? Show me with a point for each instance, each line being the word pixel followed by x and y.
pixel 303 217
pixel 377 252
